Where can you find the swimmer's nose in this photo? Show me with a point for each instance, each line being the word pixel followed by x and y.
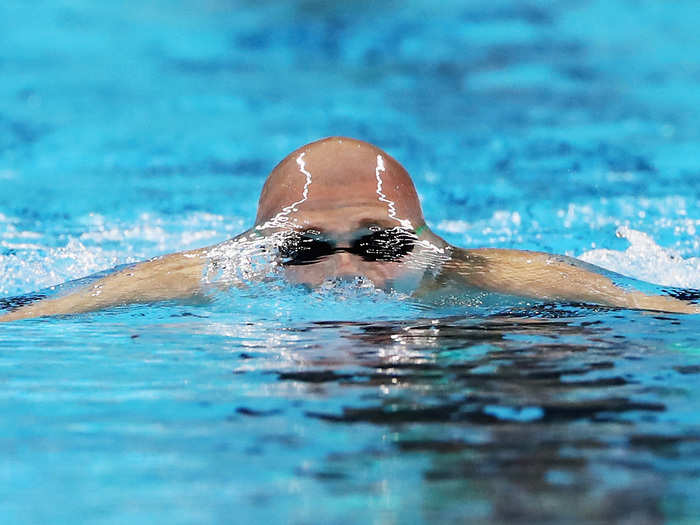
pixel 345 265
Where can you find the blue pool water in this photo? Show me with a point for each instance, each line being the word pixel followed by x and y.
pixel 133 129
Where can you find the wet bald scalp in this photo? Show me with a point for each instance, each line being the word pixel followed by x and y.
pixel 343 172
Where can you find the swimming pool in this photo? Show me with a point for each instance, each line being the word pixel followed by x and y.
pixel 128 131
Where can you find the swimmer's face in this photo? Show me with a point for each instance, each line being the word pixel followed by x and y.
pixel 347 209
pixel 375 250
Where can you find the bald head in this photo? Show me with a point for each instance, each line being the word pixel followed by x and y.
pixel 337 179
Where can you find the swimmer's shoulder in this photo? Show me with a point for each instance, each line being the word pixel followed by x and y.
pixel 510 257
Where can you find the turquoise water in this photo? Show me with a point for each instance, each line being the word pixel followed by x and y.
pixel 136 129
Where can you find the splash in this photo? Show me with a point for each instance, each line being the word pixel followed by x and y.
pixel 30 260
pixel 246 259
pixel 276 299
pixel 646 260
pixel 28 270
pixel 355 299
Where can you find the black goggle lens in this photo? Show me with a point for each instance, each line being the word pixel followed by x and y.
pixel 303 249
pixel 382 245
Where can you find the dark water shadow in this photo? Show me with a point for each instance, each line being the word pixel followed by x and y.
pixel 537 415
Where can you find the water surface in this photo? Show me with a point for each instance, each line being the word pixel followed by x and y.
pixel 141 128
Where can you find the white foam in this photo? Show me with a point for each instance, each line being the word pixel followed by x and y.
pixel 31 263
pixel 243 260
pixel 41 268
pixel 646 260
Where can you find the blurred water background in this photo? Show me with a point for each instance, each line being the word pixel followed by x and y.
pixel 132 129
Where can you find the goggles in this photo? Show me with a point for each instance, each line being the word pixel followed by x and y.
pixel 383 245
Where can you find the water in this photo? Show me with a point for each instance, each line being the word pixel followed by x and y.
pixel 132 130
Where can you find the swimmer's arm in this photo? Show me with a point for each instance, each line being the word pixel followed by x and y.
pixel 174 276
pixel 548 277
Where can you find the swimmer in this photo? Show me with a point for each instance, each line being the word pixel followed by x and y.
pixel 341 209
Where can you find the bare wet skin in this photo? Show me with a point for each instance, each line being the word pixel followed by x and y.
pixel 344 209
